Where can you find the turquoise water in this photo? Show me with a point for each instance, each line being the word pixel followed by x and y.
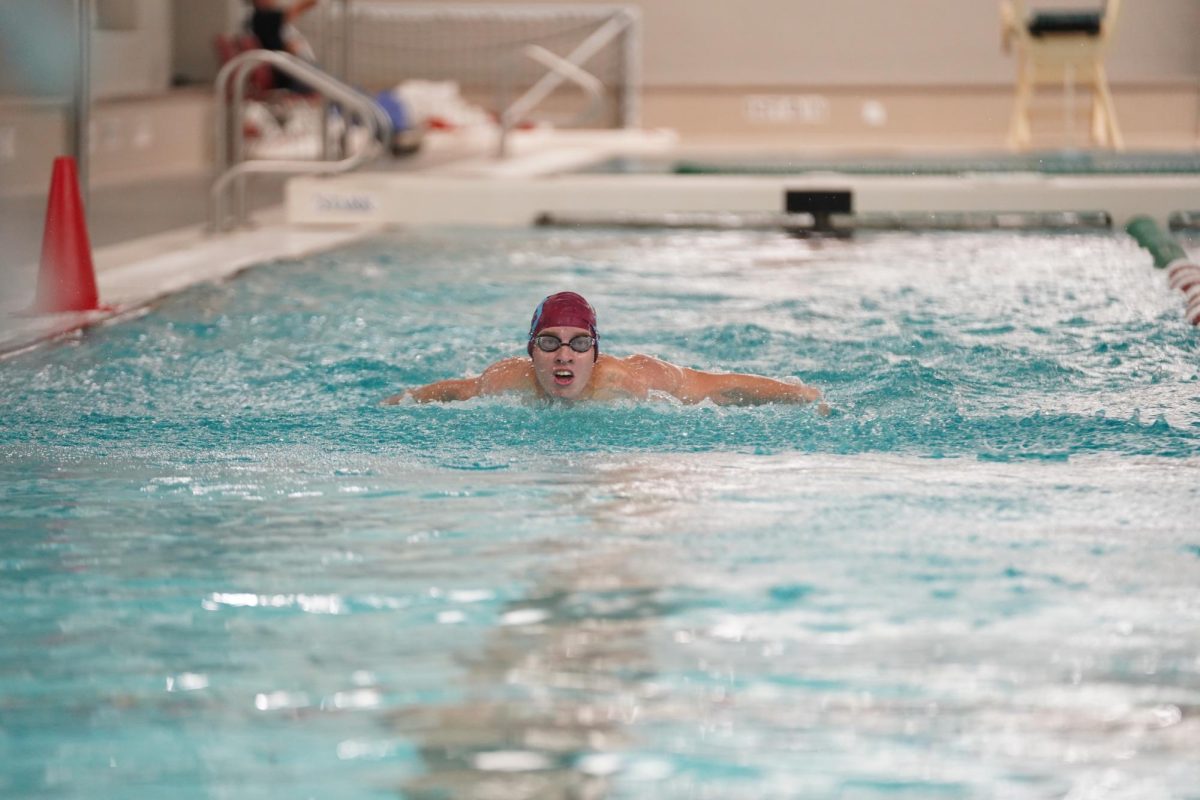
pixel 228 572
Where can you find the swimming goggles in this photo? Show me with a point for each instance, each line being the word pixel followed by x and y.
pixel 549 343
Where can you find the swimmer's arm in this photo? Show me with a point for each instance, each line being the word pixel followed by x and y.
pixel 509 375
pixel 727 389
pixel 736 389
pixel 440 392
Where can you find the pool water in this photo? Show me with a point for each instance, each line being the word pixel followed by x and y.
pixel 227 571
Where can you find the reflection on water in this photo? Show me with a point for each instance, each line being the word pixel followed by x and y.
pixel 654 655
pixel 547 696
pixel 550 696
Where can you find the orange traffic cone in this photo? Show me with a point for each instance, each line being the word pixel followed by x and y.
pixel 66 277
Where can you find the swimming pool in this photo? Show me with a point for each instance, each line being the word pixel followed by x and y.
pixel 228 572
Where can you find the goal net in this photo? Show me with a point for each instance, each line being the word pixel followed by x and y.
pixel 494 53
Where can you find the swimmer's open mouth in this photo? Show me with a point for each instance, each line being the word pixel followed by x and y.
pixel 563 376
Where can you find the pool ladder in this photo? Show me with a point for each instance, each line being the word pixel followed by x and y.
pixel 227 196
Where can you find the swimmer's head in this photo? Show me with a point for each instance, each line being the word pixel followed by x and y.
pixel 565 309
pixel 561 333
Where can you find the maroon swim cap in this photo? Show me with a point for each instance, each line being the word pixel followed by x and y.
pixel 564 309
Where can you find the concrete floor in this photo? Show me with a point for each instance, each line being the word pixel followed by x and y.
pixel 135 209
pixel 117 213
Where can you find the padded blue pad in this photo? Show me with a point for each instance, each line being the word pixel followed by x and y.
pixel 395 110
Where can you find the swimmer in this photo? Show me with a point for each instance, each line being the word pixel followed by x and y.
pixel 565 365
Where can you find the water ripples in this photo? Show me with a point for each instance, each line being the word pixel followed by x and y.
pixel 218 548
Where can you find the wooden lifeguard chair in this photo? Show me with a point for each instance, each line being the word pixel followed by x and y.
pixel 1065 48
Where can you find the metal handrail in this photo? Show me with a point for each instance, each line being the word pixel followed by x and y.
pixel 231 168
pixel 81 103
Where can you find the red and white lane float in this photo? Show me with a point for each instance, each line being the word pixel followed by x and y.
pixel 1192 314
pixel 1191 302
pixel 1191 296
pixel 1184 274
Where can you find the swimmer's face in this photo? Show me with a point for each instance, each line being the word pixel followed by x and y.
pixel 564 374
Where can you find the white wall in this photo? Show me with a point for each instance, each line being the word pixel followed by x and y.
pixel 130 47
pixel 195 24
pixel 134 58
pixel 886 43
pixel 794 43
pixel 687 43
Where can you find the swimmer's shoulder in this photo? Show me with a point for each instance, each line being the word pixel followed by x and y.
pixel 611 368
pixel 635 362
pixel 613 380
pixel 641 361
pixel 654 373
pixel 508 375
pixel 635 375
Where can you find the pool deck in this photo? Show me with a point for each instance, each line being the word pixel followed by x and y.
pixel 133 275
pixel 456 179
pixel 546 174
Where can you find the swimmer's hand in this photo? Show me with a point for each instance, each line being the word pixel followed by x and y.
pixel 810 395
pixel 395 399
pixel 440 392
